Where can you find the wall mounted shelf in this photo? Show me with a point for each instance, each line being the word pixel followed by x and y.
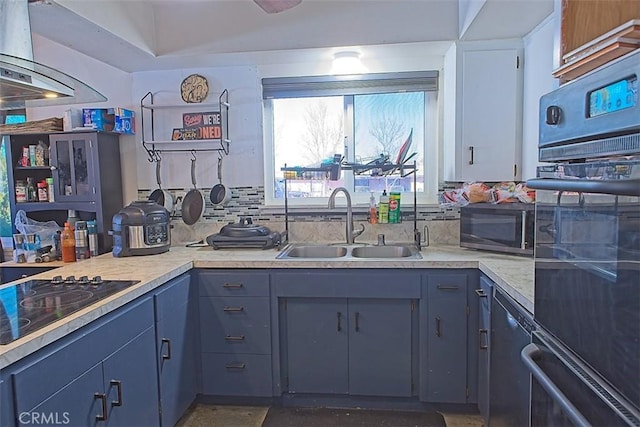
pixel 155 147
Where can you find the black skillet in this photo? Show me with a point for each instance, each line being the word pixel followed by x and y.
pixel 193 202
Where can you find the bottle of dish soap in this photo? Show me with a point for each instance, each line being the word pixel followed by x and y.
pixel 373 213
pixel 383 208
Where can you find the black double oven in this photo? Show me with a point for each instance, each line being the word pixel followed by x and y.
pixel 585 354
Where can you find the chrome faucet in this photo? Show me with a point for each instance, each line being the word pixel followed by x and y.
pixel 349 226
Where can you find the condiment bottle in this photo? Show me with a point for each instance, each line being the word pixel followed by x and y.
pixel 92 232
pixel 373 214
pixel 32 196
pixel 82 241
pixel 21 191
pixel 68 244
pixel 383 208
pixel 43 193
pixel 50 190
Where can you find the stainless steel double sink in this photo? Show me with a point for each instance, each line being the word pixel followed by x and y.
pixel 391 251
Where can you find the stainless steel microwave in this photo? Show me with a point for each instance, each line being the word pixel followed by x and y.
pixel 498 227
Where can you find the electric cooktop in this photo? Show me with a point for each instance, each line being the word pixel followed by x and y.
pixel 32 305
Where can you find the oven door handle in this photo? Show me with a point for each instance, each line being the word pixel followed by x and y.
pixel 528 355
pixel 627 187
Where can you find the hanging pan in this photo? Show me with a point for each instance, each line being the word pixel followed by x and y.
pixel 159 195
pixel 220 194
pixel 193 202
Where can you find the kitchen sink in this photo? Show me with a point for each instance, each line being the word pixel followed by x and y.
pixel 394 251
pixel 387 251
pixel 314 251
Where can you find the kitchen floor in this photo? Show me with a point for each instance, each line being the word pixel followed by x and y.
pixel 252 416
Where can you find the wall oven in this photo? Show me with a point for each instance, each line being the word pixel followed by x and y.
pixel 585 354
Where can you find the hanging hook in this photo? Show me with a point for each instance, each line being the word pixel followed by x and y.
pixel 193 154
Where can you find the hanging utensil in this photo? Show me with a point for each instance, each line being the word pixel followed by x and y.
pixel 193 203
pixel 160 195
pixel 220 194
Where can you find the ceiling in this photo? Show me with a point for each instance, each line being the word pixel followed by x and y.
pixel 155 34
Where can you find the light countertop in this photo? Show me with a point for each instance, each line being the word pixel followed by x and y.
pixel 512 273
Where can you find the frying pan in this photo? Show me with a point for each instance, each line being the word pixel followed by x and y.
pixel 193 202
pixel 160 196
pixel 220 194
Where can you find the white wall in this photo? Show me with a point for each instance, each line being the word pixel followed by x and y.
pixel 539 64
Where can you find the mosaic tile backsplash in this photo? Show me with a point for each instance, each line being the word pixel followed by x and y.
pixel 305 225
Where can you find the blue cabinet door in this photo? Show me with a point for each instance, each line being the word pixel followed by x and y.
pixel 82 402
pixel 446 338
pixel 130 381
pixel 380 347
pixel 484 346
pixel 176 349
pixel 317 345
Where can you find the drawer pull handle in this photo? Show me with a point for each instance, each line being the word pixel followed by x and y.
pixel 481 293
pixel 233 309
pixel 233 285
pixel 357 321
pixel 235 366
pixel 448 287
pixel 484 344
pixel 438 326
pixel 234 337
pixel 339 322
pixel 118 385
pixel 168 342
pixel 103 397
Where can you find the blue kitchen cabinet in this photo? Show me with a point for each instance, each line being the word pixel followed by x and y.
pixel 176 354
pixel 235 333
pixel 72 379
pixel 348 332
pixel 484 345
pixel 317 345
pixel 130 383
pixel 444 362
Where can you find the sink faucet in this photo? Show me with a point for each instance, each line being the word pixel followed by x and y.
pixel 349 226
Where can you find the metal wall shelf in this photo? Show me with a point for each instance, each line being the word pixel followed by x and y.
pixel 155 147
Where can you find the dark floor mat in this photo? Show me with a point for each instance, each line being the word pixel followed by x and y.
pixel 326 417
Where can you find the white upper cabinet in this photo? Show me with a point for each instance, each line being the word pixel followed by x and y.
pixel 482 133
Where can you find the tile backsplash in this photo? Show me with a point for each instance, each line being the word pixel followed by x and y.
pixel 307 225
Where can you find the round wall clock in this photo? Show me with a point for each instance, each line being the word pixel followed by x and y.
pixel 194 88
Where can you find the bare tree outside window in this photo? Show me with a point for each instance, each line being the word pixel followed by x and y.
pixel 323 134
pixel 390 132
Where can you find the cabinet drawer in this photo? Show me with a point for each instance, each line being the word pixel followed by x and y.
pixel 236 375
pixel 233 283
pixel 235 325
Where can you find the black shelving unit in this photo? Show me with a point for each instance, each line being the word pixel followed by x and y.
pixel 333 171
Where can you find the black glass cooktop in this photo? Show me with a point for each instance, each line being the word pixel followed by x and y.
pixel 29 306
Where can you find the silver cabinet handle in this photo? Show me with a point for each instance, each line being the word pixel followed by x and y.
pixel 118 385
pixel 233 285
pixel 233 309
pixel 528 355
pixel 234 337
pixel 235 366
pixel 471 154
pixel 448 287
pixel 481 293
pixel 438 326
pixel 485 333
pixel 168 342
pixel 103 397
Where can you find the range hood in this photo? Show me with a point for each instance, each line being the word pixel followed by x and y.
pixel 23 82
